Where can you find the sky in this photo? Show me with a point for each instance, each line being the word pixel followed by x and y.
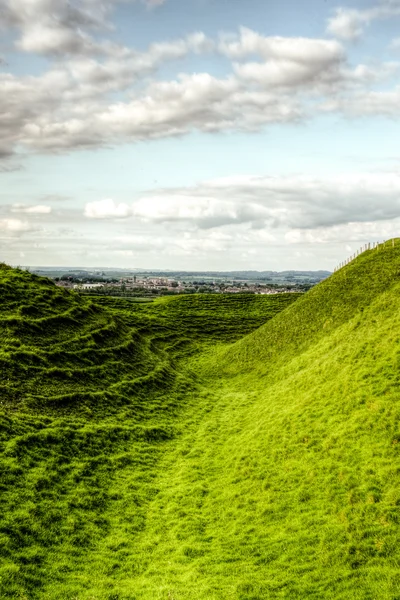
pixel 198 134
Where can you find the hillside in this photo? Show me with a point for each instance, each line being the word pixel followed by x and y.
pixel 90 397
pixel 289 488
pixel 242 448
pixel 318 313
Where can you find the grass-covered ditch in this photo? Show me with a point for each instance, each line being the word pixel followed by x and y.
pixel 204 447
pixel 92 396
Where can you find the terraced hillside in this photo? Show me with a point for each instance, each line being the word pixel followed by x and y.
pixel 57 347
pixel 90 398
pixel 198 320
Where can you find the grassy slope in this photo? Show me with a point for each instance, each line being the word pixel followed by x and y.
pixel 91 398
pixel 280 477
pixel 318 313
pixel 288 487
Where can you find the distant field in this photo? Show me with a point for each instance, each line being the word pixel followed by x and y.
pixel 204 447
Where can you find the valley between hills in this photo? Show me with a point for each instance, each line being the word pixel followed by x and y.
pixel 202 447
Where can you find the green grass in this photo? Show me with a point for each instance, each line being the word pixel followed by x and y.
pixel 290 488
pixel 202 447
pixel 91 398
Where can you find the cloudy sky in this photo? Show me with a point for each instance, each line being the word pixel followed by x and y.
pixel 198 134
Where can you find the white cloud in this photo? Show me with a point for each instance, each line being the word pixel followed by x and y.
pixel 39 209
pixel 367 103
pixel 291 202
pixel 202 210
pixel 73 105
pixel 285 62
pixel 349 24
pixel 173 108
pixel 254 211
pixel 50 112
pixel 199 43
pixel 355 232
pixel 53 26
pixel 198 101
pixel 236 222
pixel 300 50
pixel 14 226
pixel 57 27
pixel 106 209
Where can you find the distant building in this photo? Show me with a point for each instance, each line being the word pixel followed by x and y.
pixel 88 286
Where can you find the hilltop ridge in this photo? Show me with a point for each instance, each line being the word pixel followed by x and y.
pixel 319 312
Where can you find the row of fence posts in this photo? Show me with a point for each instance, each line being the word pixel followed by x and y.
pixel 369 246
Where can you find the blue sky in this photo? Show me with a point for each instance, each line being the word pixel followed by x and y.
pixel 198 134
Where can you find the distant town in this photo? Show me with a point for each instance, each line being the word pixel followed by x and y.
pixel 162 286
pixel 150 284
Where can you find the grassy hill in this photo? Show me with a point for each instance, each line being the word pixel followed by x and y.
pixel 290 486
pixel 91 396
pixel 239 447
pixel 326 307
